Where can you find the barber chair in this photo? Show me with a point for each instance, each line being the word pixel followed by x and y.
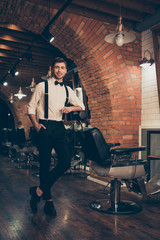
pixel 5 140
pixel 24 149
pixel 118 164
pixel 77 157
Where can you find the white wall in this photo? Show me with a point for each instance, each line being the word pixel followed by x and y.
pixel 150 114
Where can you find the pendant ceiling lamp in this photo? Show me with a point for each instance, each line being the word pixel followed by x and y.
pixel 32 85
pixel 11 98
pixel 49 74
pixel 120 36
pixel 20 94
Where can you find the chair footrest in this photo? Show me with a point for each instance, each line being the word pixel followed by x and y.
pixel 152 189
pixel 123 207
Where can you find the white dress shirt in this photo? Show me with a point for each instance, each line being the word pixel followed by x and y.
pixel 56 100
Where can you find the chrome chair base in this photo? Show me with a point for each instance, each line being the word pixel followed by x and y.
pixel 122 208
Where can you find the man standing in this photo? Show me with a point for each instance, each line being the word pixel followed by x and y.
pixel 51 132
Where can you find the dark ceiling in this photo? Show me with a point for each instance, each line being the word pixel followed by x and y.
pixel 29 53
pixel 138 15
pixel 134 12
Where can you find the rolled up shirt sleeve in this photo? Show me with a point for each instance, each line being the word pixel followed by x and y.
pixel 74 100
pixel 32 105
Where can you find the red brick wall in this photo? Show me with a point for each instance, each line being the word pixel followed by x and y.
pixel 110 74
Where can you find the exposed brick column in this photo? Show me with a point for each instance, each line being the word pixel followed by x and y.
pixel 110 75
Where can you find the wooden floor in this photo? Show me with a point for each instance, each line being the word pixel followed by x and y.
pixel 75 219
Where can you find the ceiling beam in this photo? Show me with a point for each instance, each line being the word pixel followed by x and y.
pixel 85 12
pixel 153 1
pixel 135 5
pixel 37 53
pixel 148 22
pixel 21 48
pixel 110 8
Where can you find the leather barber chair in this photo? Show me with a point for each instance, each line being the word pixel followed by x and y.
pixel 24 149
pixel 118 164
pixel 6 140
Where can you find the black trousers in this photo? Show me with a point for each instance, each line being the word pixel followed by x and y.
pixel 54 136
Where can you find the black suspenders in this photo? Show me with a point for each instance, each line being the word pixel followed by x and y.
pixel 67 96
pixel 46 99
pixel 66 102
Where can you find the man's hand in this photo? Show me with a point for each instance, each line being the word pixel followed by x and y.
pixel 67 110
pixel 38 127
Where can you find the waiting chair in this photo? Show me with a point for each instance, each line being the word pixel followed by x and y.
pixel 117 164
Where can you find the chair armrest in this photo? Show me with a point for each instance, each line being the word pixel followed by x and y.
pixel 120 151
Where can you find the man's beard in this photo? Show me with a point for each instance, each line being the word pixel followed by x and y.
pixel 58 78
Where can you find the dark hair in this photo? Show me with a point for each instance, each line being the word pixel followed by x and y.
pixel 58 60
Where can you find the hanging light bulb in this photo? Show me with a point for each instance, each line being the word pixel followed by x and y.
pixel 32 85
pixel 120 37
pixel 20 94
pixel 49 74
pixel 11 98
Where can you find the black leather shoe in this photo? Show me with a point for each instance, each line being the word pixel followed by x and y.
pixel 49 209
pixel 34 199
